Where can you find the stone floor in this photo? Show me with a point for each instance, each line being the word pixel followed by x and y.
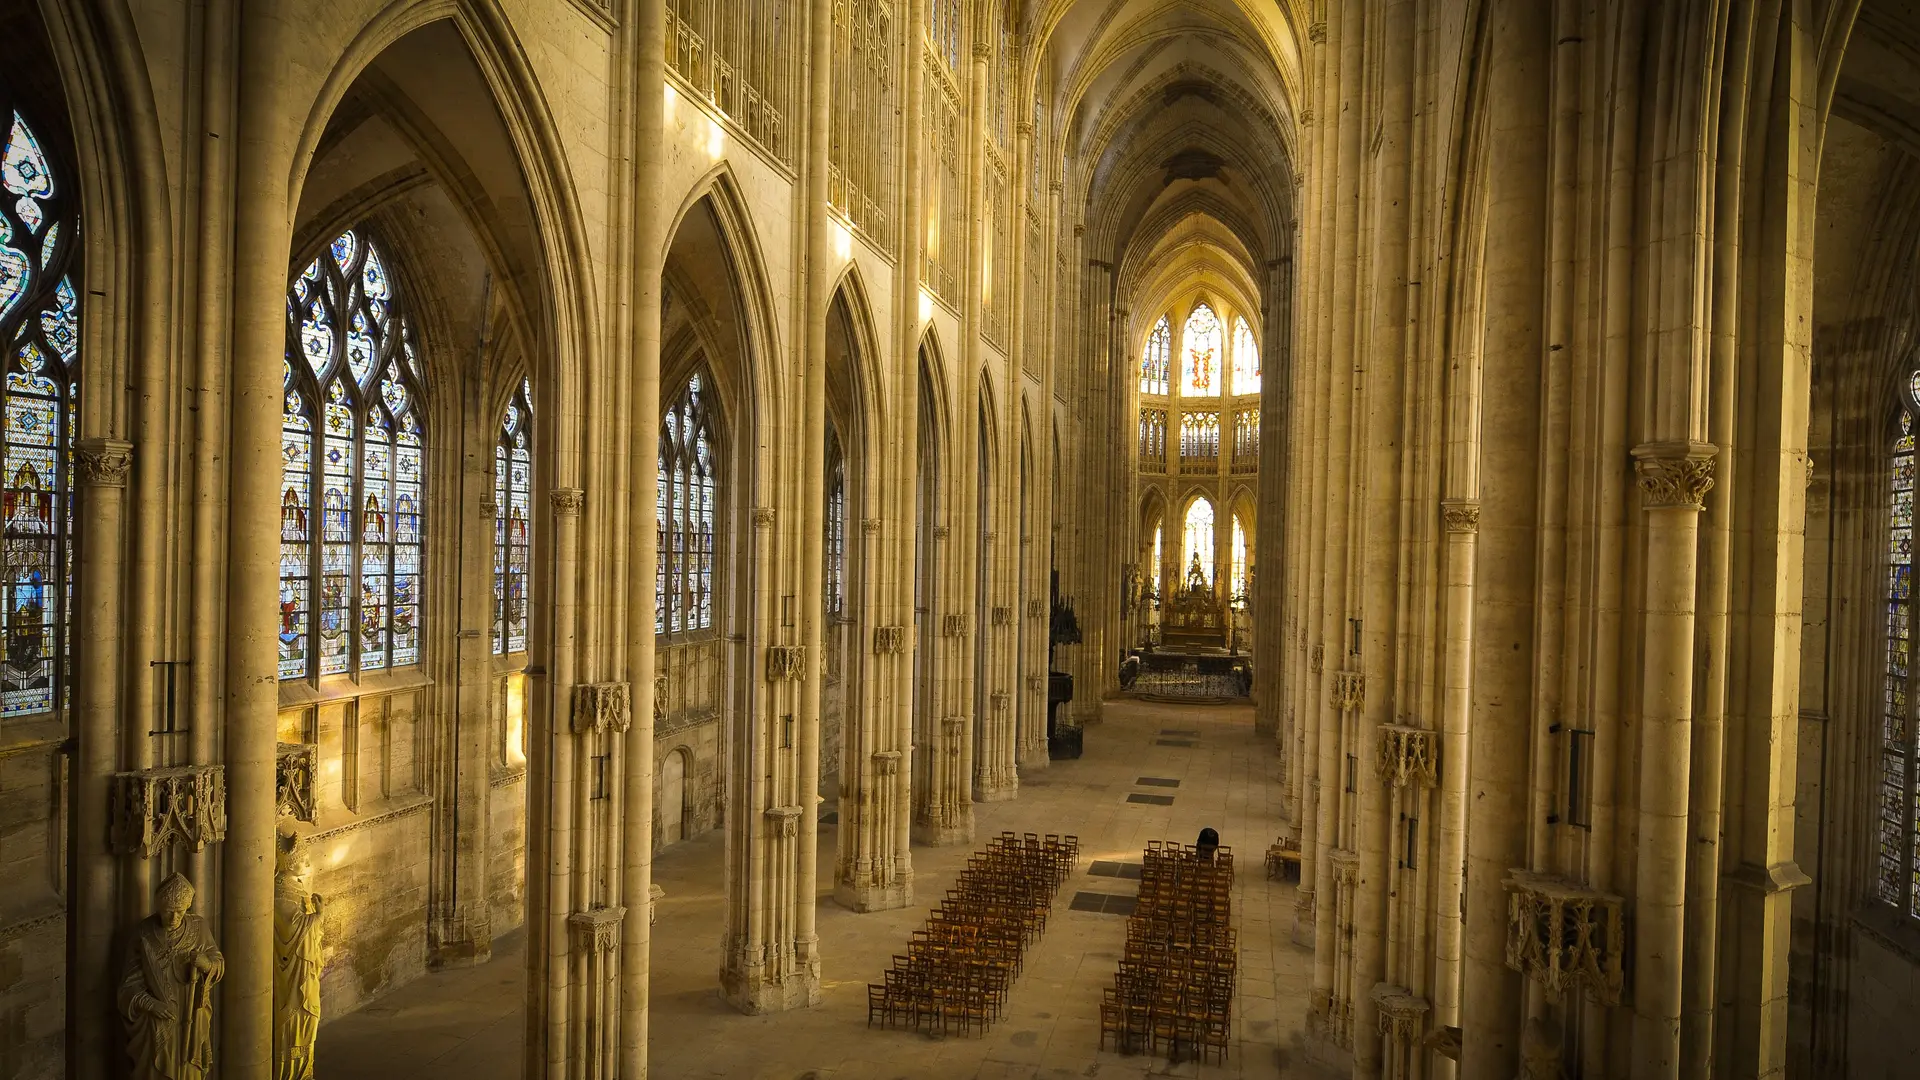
pixel 466 1025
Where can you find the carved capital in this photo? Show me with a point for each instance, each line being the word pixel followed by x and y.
pixel 1306 118
pixel 1003 616
pixel 956 729
pixel 1001 700
pixel 956 626
pixel 602 707
pixel 1036 609
pixel 982 50
pixel 154 808
pixel 1564 935
pixel 889 640
pixel 567 501
pixel 940 532
pixel 1037 683
pixel 1317 32
pixel 1317 659
pixel 1403 1014
pixel 783 821
pixel 596 930
pixel 763 517
pixel 1674 475
pixel 103 462
pixel 786 662
pixel 489 510
pixel 1346 866
pixel 886 763
pixel 1460 515
pixel 294 766
pixel 1349 690
pixel 870 526
pixel 1407 756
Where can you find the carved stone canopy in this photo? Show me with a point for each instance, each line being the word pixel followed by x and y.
pixel 783 821
pixel 956 626
pixel 1563 935
pixel 1036 609
pixel 1674 475
pixel 1002 616
pixel 154 808
pixel 786 662
pixel 606 706
pixel 1408 756
pixel 889 640
pixel 1403 1013
pixel 886 762
pixel 597 929
pixel 294 767
pixel 1349 690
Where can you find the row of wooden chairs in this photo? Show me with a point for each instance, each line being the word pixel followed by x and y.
pixel 957 969
pixel 1173 993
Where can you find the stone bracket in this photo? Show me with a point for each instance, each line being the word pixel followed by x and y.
pixel 154 808
pixel 1349 690
pixel 886 762
pixel 1408 756
pixel 294 767
pixel 596 929
pixel 956 626
pixel 1003 616
pixel 1001 699
pixel 1563 934
pixel 889 640
pixel 786 662
pixel 783 821
pixel 1036 609
pixel 602 707
pixel 1402 1012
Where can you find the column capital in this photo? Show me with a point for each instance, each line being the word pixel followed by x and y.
pixel 602 707
pixel 103 462
pixel 567 501
pixel 1460 515
pixel 763 517
pixel 1675 474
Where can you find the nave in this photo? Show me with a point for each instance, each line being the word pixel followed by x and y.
pixel 466 1024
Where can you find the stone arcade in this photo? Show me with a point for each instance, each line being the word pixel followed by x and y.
pixel 1522 392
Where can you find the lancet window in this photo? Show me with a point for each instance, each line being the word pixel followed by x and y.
pixel 40 326
pixel 684 513
pixel 1246 440
pixel 1154 359
pixel 1237 579
pixel 945 23
pixel 1199 539
pixel 1200 370
pixel 512 523
pixel 1246 359
pixel 1897 877
pixel 1159 555
pixel 350 574
pixel 836 525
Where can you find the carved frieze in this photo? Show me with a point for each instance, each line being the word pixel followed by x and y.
pixel 602 707
pixel 1460 515
pixel 956 626
pixel 1349 690
pixel 1674 475
pixel 294 766
pixel 596 930
pixel 153 808
pixel 1563 935
pixel 783 821
pixel 1407 756
pixel 567 501
pixel 889 640
pixel 786 662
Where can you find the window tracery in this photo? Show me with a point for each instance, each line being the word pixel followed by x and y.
pixel 1199 538
pixel 1200 436
pixel 737 54
pixel 1246 440
pixel 351 430
pixel 40 326
pixel 512 523
pixel 1200 375
pixel 861 169
pixel 1153 437
pixel 1246 359
pixel 684 513
pixel 1154 359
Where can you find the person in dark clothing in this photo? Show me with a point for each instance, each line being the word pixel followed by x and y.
pixel 1209 840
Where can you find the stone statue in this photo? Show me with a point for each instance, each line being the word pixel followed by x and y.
pixel 166 995
pixel 296 962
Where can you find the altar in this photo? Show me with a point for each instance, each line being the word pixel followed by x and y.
pixel 1194 621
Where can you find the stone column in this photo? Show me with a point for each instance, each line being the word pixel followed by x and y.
pixel 557 899
pixel 1461 518
pixel 902 504
pixel 100 498
pixel 647 23
pixel 462 929
pixel 1674 480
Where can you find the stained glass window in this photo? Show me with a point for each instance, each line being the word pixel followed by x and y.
pixel 1246 359
pixel 512 523
pixel 1159 553
pixel 1199 538
pixel 1237 579
pixel 945 18
pixel 1200 372
pixel 684 505
pixel 352 433
pixel 40 326
pixel 836 580
pixel 1155 358
pixel 1897 876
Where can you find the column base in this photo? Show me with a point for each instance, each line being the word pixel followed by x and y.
pixel 865 898
pixel 1303 918
pixel 755 994
pixel 1322 1043
pixel 945 834
pixel 1005 791
pixel 468 943
pixel 1034 757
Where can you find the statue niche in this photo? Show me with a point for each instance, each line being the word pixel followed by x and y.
pixel 296 962
pixel 166 994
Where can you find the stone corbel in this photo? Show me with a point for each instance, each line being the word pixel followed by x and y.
pixel 1001 700
pixel 1349 690
pixel 1460 515
pixel 103 462
pixel 783 821
pixel 1346 866
pixel 154 808
pixel 1674 475
pixel 567 501
pixel 1402 1013
pixel 1003 616
pixel 889 640
pixel 294 766
pixel 786 662
pixel 956 626
pixel 956 729
pixel 1407 756
pixel 1563 935
pixel 596 930
pixel 602 707
pixel 886 762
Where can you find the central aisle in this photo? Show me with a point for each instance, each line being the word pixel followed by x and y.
pixel 466 1025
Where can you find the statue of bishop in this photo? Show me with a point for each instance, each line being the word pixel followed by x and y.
pixel 166 994
pixel 296 962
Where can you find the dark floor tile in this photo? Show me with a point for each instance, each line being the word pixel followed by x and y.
pixel 1150 800
pixel 1187 744
pixel 1157 781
